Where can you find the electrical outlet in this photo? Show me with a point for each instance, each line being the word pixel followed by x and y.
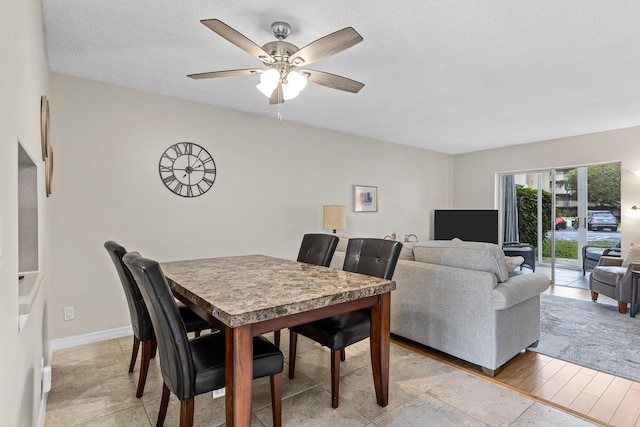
pixel 218 393
pixel 68 313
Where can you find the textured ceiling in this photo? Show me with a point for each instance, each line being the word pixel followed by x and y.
pixel 445 75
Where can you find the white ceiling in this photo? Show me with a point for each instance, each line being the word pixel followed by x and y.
pixel 445 75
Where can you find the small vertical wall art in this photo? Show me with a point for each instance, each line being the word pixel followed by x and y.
pixel 365 198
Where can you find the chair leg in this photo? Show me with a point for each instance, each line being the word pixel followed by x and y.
pixel 293 343
pixel 594 296
pixel 343 354
pixel 335 378
pixel 154 349
pixel 164 402
pixel 276 338
pixel 196 334
pixel 186 413
pixel 147 347
pixel 134 353
pixel 276 398
pixel 622 307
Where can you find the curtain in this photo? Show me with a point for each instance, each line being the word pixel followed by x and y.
pixel 510 210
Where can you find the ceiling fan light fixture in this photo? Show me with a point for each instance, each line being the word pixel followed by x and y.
pixel 293 85
pixel 279 81
pixel 268 82
pixel 288 92
pixel 297 80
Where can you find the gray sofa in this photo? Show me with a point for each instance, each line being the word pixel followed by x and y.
pixel 460 298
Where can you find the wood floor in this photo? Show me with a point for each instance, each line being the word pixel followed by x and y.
pixel 598 397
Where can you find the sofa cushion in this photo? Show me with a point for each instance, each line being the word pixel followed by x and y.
pixel 608 273
pixel 513 262
pixel 406 252
pixel 633 255
pixel 457 253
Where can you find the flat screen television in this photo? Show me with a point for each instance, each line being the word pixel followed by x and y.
pixel 469 225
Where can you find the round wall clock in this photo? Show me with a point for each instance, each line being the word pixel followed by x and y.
pixel 187 169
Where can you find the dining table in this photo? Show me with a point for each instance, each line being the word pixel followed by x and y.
pixel 249 295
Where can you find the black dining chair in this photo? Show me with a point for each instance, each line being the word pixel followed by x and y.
pixel 140 321
pixel 315 249
pixel 193 367
pixel 374 257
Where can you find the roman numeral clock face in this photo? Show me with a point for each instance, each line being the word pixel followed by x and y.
pixel 187 169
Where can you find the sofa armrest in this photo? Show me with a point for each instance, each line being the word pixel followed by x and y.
pixel 518 288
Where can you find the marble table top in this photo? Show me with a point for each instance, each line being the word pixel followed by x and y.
pixel 248 289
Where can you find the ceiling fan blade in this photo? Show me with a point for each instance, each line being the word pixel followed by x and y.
pixel 226 32
pixel 277 97
pixel 226 73
pixel 333 81
pixel 326 46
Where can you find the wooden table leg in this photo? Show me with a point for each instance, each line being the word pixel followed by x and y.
pixel 238 375
pixel 380 346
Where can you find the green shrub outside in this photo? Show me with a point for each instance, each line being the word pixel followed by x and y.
pixel 528 214
pixel 528 224
pixel 567 249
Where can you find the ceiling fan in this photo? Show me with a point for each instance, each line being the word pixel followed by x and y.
pixel 283 78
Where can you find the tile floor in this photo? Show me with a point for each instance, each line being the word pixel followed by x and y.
pixel 566 276
pixel 91 387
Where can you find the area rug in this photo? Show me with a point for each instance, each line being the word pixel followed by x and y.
pixel 590 334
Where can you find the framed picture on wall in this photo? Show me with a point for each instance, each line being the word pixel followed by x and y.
pixel 365 198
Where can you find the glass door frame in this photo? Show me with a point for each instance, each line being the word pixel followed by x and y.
pixel 582 205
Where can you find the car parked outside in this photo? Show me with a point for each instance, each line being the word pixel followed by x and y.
pixel 598 220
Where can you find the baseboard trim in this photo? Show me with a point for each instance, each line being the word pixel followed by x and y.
pixel 75 341
pixel 90 338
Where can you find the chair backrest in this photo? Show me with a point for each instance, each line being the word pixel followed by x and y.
pixel 318 249
pixel 140 320
pixel 374 257
pixel 176 362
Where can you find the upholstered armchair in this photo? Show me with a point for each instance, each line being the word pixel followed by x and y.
pixel 612 278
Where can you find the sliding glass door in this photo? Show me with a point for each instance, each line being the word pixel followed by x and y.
pixel 562 211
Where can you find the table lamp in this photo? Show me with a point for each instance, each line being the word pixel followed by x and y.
pixel 334 217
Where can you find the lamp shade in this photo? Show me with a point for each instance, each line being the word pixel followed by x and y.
pixel 334 217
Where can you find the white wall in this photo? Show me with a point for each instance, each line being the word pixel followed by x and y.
pixel 273 178
pixel 475 173
pixel 23 79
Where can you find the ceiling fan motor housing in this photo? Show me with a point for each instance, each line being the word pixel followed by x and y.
pixel 280 50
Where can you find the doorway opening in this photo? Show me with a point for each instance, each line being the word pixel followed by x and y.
pixel 570 215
